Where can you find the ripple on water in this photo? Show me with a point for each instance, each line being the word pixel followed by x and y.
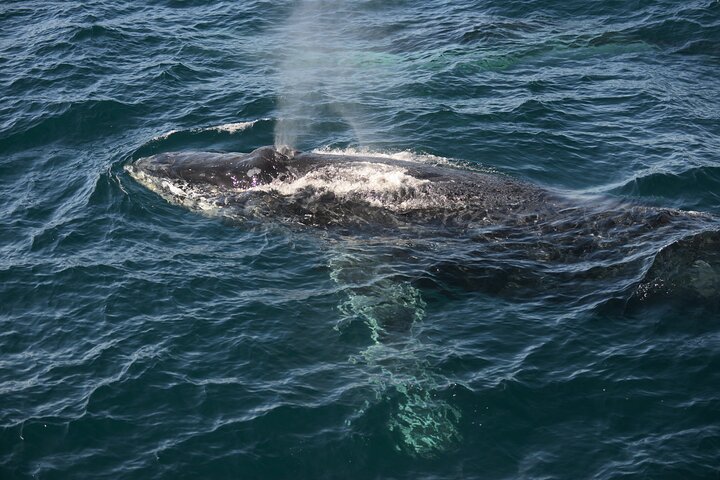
pixel 140 340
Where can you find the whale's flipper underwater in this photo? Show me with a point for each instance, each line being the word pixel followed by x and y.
pixel 446 231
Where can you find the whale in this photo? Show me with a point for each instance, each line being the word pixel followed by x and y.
pixel 525 229
pixel 337 190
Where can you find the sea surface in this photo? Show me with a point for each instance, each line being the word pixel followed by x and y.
pixel 141 340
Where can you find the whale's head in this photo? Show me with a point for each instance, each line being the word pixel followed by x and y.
pixel 226 171
pixel 205 179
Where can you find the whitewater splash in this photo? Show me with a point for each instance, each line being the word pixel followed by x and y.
pixel 224 128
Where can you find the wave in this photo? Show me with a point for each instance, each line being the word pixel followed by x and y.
pixel 223 137
pixel 93 32
pixel 694 35
pixel 180 72
pixel 71 121
pixel 696 187
pixel 223 128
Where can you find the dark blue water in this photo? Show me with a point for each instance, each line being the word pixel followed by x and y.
pixel 142 340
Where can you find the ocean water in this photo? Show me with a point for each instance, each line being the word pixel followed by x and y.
pixel 140 339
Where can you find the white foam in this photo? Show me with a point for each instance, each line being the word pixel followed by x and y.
pixel 226 127
pixel 360 178
pixel 379 185
pixel 404 155
pixel 408 156
pixel 164 135
pixel 232 127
